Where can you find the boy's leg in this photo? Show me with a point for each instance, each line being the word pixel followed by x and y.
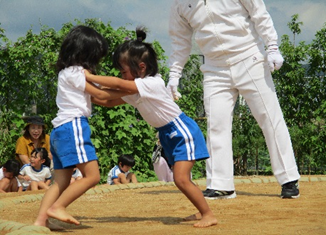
pixel 13 186
pixel 51 195
pixel 9 185
pixel 73 191
pixel 132 178
pixel 181 172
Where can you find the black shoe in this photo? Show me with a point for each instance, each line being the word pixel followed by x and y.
pixel 207 191
pixel 218 194
pixel 290 190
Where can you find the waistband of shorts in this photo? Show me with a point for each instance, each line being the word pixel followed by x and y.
pixel 182 116
pixel 82 118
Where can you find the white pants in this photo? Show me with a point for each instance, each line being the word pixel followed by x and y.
pixel 163 171
pixel 252 79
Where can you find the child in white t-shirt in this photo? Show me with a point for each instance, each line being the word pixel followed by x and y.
pixel 180 136
pixel 8 177
pixel 120 174
pixel 36 174
pixel 70 139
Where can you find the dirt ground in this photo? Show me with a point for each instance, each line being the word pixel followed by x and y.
pixel 158 210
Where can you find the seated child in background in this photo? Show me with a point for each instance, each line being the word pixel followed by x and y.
pixel 120 173
pixel 76 175
pixel 8 177
pixel 36 175
pixel 162 168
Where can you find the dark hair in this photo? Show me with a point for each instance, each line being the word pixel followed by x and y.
pixel 83 46
pixel 127 160
pixel 133 52
pixel 12 166
pixel 37 120
pixel 43 153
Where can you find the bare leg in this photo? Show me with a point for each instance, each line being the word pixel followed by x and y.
pixel 91 177
pixel 61 182
pixel 122 179
pixel 132 178
pixel 196 216
pixel 181 172
pixel 13 186
pixel 34 185
pixel 42 185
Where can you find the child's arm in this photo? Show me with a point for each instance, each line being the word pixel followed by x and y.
pixel 2 186
pixel 116 181
pixel 24 177
pixel 104 94
pixel 112 82
pixel 108 103
pixel 48 182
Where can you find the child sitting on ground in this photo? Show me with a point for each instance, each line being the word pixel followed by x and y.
pixel 8 177
pixel 120 173
pixel 76 175
pixel 36 175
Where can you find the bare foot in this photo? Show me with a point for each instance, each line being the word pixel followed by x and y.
pixel 206 222
pixel 193 217
pixel 61 214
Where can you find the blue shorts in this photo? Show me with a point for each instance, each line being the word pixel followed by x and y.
pixel 71 144
pixel 182 140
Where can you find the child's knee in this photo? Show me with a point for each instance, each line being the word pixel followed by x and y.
pixel 181 181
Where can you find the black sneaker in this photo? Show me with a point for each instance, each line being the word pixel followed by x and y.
pixel 213 194
pixel 290 190
pixel 207 191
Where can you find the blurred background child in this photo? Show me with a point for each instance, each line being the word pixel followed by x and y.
pixel 162 168
pixel 76 175
pixel 36 175
pixel 120 174
pixel 8 177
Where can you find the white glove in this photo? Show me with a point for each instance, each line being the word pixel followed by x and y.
pixel 274 57
pixel 172 85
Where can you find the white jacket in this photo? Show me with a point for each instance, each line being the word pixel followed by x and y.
pixel 226 31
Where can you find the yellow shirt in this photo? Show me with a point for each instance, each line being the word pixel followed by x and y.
pixel 26 146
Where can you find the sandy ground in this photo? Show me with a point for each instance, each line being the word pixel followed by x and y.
pixel 258 209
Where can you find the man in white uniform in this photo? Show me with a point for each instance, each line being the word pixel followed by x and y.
pixel 232 35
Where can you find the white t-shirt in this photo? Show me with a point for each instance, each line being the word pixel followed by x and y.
pixel 36 175
pixel 153 101
pixel 71 99
pixel 2 175
pixel 113 174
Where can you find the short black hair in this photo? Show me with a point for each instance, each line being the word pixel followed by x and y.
pixel 12 166
pixel 83 46
pixel 133 52
pixel 127 160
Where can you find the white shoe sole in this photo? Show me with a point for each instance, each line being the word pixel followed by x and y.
pixel 233 195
